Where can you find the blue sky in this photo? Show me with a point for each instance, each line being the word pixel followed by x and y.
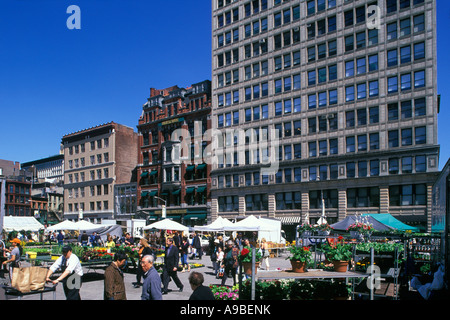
pixel 55 81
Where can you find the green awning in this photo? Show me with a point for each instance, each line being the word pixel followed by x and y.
pixel 144 174
pixel 195 216
pixel 201 189
pixel 154 172
pixel 201 166
pixel 153 193
pixel 190 168
pixel 164 194
pixel 144 193
pixel 190 190
pixel 176 192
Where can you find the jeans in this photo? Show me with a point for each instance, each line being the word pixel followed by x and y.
pixel 184 259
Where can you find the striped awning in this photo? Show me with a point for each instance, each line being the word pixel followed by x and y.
pixel 290 220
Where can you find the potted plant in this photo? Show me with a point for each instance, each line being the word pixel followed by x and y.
pixel 339 254
pixel 305 229
pixel 245 256
pixel 324 229
pixel 300 257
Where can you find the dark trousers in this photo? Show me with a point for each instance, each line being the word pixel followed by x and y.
pixel 166 275
pixel 139 273
pixel 71 293
pixel 229 269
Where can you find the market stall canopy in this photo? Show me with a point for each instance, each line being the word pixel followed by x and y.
pixel 217 225
pixel 389 220
pixel 104 230
pixel 84 225
pixel 167 224
pixel 349 220
pixel 250 223
pixel 65 225
pixel 13 223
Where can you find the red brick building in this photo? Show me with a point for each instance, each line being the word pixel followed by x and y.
pixel 171 168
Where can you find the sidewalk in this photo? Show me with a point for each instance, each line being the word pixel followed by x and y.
pixel 92 287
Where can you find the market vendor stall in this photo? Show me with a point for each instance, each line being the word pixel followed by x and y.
pixel 13 223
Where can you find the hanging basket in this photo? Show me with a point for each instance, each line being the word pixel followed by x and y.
pixel 298 266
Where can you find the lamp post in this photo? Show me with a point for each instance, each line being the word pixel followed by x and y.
pixel 163 206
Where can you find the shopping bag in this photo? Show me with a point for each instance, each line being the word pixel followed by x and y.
pixel 21 279
pixel 29 279
pixel 220 273
pixel 38 277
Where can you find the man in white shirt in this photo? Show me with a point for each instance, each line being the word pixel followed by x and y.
pixel 71 273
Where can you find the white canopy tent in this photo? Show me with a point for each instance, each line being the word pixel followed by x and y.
pixel 167 224
pixel 83 225
pixel 269 229
pixel 251 223
pixel 13 223
pixel 216 226
pixel 64 225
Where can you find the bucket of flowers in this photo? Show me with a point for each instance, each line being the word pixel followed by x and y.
pixel 324 229
pixel 360 229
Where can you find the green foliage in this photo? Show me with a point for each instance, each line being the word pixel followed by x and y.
pixel 339 252
pixel 291 289
pixel 379 247
pixel 302 254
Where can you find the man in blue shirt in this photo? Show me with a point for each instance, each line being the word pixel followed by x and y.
pixel 151 288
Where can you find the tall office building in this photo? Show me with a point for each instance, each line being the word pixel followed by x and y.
pixel 351 87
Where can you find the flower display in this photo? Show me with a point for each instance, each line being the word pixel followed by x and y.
pixel 302 254
pixel 338 251
pixel 361 227
pixel 245 255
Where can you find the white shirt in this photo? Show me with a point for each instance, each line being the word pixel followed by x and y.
pixel 73 265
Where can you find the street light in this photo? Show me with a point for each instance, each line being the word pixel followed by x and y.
pixel 163 206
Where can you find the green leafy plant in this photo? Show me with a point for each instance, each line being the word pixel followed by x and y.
pixel 339 251
pixel 302 254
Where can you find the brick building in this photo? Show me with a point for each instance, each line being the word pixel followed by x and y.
pixel 171 170
pixel 95 160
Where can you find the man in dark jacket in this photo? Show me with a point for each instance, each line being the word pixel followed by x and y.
pixel 151 288
pixel 200 291
pixel 197 244
pixel 170 268
pixel 114 285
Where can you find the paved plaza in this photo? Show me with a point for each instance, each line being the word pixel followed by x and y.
pixel 92 287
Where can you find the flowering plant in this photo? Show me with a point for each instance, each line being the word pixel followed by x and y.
pixel 339 251
pixel 246 255
pixel 224 293
pixel 324 227
pixel 305 227
pixel 361 227
pixel 302 254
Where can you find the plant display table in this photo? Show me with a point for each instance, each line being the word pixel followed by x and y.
pixel 311 274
